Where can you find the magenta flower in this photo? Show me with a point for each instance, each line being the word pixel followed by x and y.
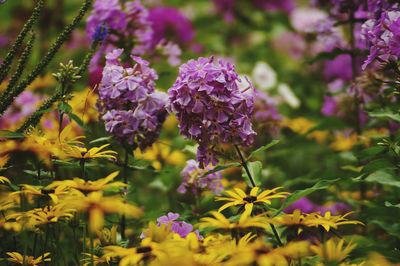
pixel 195 180
pixel 132 110
pixel 210 107
pixel 170 24
pixel 180 227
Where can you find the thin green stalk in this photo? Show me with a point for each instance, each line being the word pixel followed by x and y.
pixel 82 165
pixel 244 164
pixel 125 178
pixel 8 98
pixel 91 251
pixel 21 63
pixel 6 64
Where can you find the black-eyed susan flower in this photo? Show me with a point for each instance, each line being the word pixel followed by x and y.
pixel 93 260
pixel 328 221
pixel 20 259
pixel 333 251
pixel 219 221
pixel 238 197
pixel 49 214
pixel 4 180
pixel 88 186
pixel 30 191
pixel 78 152
pixel 97 206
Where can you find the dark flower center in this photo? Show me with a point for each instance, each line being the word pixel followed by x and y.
pixel 250 199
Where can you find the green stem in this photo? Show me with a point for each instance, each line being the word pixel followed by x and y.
pixel 91 251
pixel 125 178
pixel 276 235
pixel 244 164
pixel 82 165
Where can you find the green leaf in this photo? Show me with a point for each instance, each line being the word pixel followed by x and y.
pixel 376 165
pixel 383 178
pixel 192 149
pixel 79 121
pixel 10 134
pixel 388 204
pixel 103 139
pixel 255 169
pixel 64 107
pixel 263 148
pixel 369 153
pixel 320 185
pixel 385 114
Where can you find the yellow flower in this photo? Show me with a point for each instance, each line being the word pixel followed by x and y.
pixel 328 221
pixel 128 256
pixel 3 160
pixel 4 180
pixel 302 125
pixel 160 153
pixel 344 142
pixel 9 224
pixel 239 197
pixel 88 186
pixel 83 104
pixel 38 191
pixel 294 219
pixel 96 206
pixel 108 236
pixel 95 152
pixel 333 250
pixel 170 123
pixel 18 258
pixel 49 214
pixel 103 260
pixel 245 221
pixel 42 82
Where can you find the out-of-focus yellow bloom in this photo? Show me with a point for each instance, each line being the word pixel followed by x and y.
pixel 245 221
pixel 10 224
pixel 157 233
pixel 128 256
pixel 95 152
pixel 160 153
pixel 88 186
pixel 20 259
pixel 333 250
pixel 344 142
pixel 83 104
pixel 171 123
pixel 96 206
pixel 42 82
pixel 3 160
pixel 42 216
pixel 367 136
pixel 294 219
pixel 328 221
pixel 239 198
pixel 375 259
pixel 302 126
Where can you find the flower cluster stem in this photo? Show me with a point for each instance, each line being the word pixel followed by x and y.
pixel 125 178
pixel 244 164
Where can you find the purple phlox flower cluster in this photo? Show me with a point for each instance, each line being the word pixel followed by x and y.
pixel 132 110
pixel 307 206
pixel 126 22
pixel 383 36
pixel 23 106
pixel 210 107
pixel 182 228
pixel 195 179
pixel 266 115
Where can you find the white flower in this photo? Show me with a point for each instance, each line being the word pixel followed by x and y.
pixel 264 76
pixel 288 96
pixel 307 20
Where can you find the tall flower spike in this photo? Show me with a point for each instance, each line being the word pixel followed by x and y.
pixel 210 107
